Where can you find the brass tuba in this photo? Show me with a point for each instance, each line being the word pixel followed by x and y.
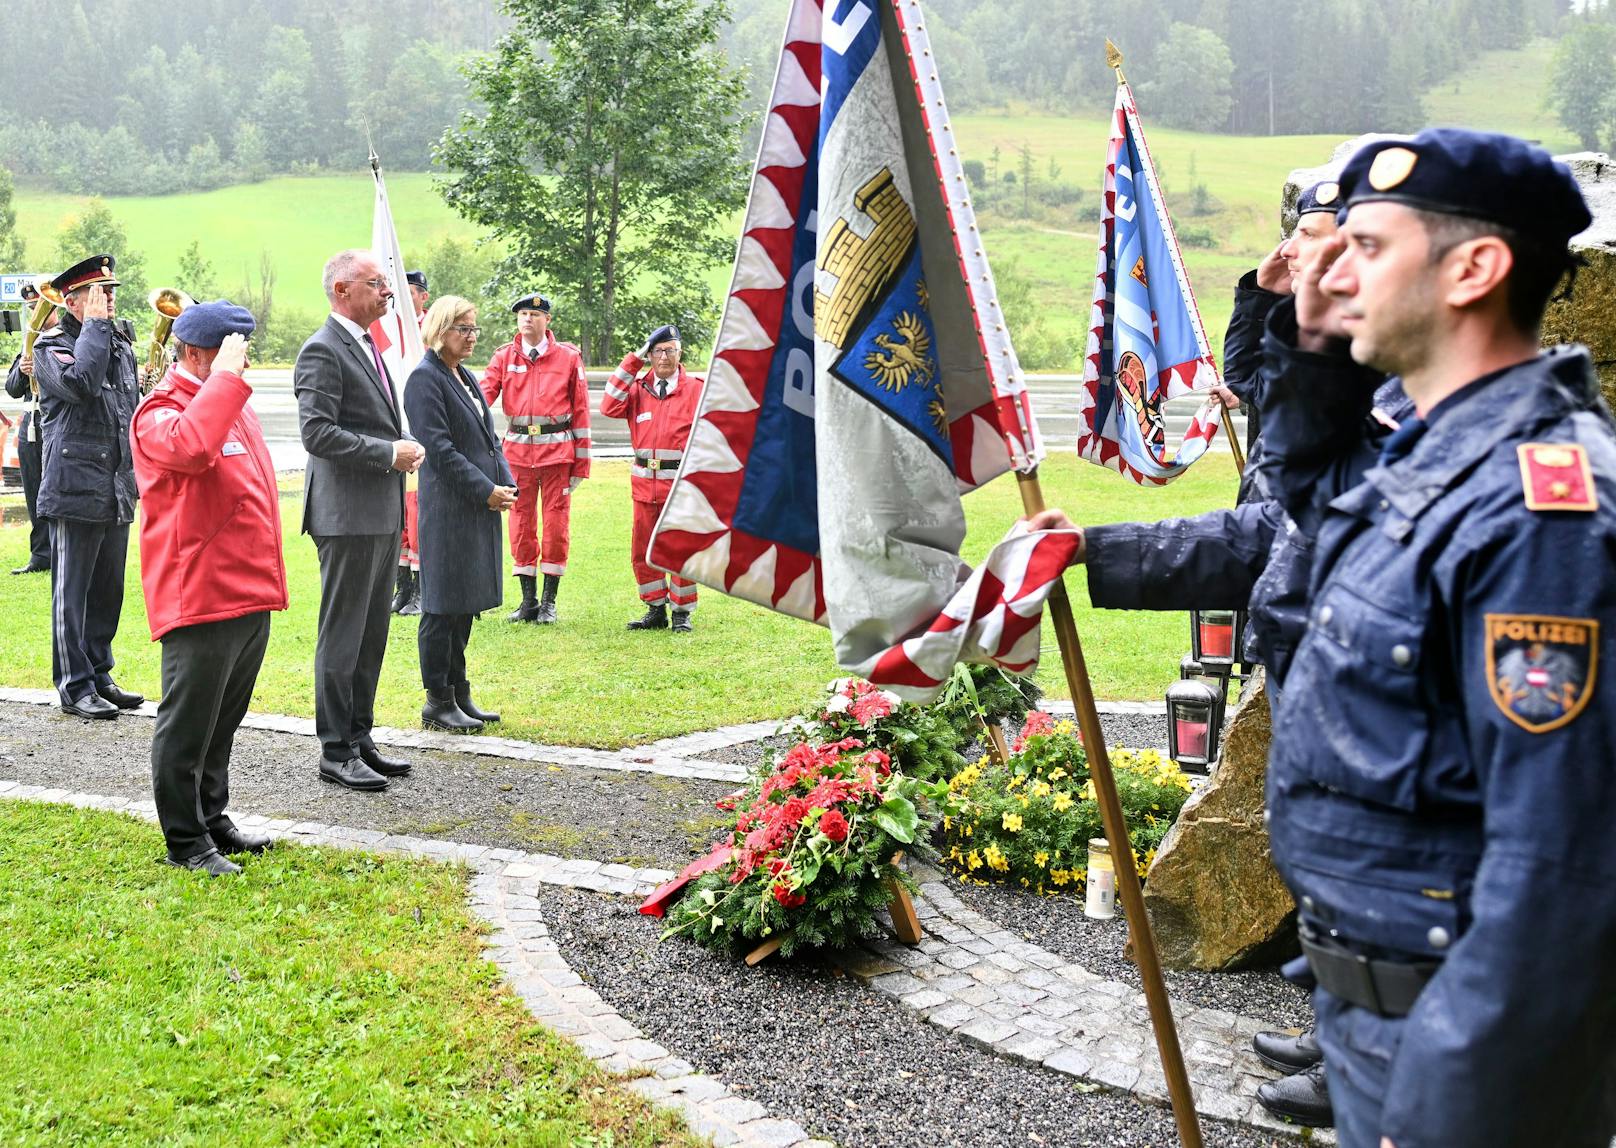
pixel 168 302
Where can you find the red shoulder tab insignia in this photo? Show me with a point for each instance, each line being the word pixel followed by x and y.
pixel 1541 668
pixel 1555 476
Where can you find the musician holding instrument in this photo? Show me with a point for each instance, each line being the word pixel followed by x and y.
pixel 85 370
pixel 30 447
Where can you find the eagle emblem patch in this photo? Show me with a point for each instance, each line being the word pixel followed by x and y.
pixel 1555 476
pixel 1541 668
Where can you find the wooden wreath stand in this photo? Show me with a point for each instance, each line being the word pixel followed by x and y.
pixel 905 922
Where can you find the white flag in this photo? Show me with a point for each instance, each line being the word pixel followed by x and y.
pixel 397 335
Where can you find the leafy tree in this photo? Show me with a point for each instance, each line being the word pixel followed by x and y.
pixel 1582 81
pixel 196 274
pixel 97 231
pixel 1191 83
pixel 607 161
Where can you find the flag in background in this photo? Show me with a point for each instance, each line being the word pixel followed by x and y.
pixel 397 335
pixel 1146 341
pixel 862 377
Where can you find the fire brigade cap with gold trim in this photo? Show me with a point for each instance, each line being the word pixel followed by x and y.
pixel 91 272
pixel 533 302
pixel 1478 175
pixel 1319 197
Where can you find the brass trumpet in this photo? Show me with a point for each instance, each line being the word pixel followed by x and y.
pixel 168 302
pixel 46 299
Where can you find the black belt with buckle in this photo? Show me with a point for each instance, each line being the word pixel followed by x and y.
pixel 1384 987
pixel 660 463
pixel 541 428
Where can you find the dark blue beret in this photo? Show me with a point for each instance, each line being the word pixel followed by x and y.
pixel 1322 196
pixel 663 334
pixel 206 324
pixel 533 302
pixel 1479 175
pixel 416 279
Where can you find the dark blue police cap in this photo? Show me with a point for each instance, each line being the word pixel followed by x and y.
pixel 416 279
pixel 663 334
pixel 1479 175
pixel 206 324
pixel 1322 196
pixel 533 302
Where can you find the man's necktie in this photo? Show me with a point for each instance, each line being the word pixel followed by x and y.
pixel 533 355
pixel 381 368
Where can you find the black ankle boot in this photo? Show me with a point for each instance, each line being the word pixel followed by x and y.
pixel 681 622
pixel 403 589
pixel 655 618
pixel 441 712
pixel 462 696
pixel 412 608
pixel 547 610
pixel 529 609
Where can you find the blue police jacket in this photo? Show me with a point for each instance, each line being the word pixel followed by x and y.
pixel 1442 779
pixel 87 397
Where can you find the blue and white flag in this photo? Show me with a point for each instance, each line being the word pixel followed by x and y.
pixel 1146 341
pixel 862 377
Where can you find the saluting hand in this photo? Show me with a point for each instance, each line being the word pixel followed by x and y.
pixel 1318 315
pixel 502 498
pixel 95 304
pixel 232 356
pixel 1274 273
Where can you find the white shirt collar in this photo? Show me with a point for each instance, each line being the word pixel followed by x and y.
pixel 350 326
pixel 542 348
pixel 184 374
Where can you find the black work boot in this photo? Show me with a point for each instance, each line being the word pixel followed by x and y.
pixel 655 618
pixel 441 712
pixel 547 610
pixel 1303 1098
pixel 529 609
pixel 681 622
pixel 1288 1051
pixel 462 696
pixel 413 607
pixel 403 589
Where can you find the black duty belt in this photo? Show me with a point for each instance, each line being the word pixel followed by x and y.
pixel 659 463
pixel 1385 987
pixel 541 428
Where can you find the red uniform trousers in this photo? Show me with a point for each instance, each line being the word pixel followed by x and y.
pixel 536 487
pixel 409 550
pixel 655 586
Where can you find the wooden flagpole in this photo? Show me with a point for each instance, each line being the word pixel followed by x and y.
pixel 1234 442
pixel 1116 832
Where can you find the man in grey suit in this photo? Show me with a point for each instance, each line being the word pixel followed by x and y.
pixel 353 507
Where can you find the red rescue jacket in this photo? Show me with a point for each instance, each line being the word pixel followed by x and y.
pixel 210 529
pixel 658 428
pixel 547 403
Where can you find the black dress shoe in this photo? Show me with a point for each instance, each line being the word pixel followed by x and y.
pixel 386 766
pixel 213 863
pixel 234 840
pixel 33 568
pixel 1302 1099
pixel 1287 1051
pixel 120 697
pixel 92 706
pixel 352 773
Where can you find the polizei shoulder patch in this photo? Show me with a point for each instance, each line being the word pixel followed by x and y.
pixel 1541 668
pixel 1555 476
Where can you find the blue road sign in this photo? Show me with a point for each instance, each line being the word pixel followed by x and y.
pixel 11 286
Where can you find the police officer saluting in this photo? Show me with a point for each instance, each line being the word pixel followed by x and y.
pixel 1441 783
pixel 212 570
pixel 86 375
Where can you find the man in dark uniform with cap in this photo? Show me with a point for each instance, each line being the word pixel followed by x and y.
pixel 86 376
pixel 1440 782
pixel 30 453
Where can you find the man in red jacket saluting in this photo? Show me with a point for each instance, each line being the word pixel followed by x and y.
pixel 212 570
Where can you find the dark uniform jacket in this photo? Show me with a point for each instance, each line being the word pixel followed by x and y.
pixel 88 392
pixel 1442 776
pixel 1242 362
pixel 462 552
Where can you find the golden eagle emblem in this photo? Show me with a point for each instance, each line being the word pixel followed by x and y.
pixel 898 364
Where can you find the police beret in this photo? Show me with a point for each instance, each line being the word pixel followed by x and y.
pixel 533 302
pixel 96 270
pixel 206 324
pixel 1479 175
pixel 1322 196
pixel 416 279
pixel 663 334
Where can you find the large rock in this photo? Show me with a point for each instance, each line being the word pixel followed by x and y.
pixel 1214 898
pixel 1588 316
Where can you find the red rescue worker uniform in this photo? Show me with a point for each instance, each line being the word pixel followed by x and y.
pixel 546 398
pixel 659 416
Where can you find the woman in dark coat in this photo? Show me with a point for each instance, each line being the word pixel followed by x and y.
pixel 464 486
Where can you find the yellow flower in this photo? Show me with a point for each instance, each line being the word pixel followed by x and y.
pixel 948 822
pixel 1056 774
pixel 1040 858
pixel 1041 789
pixel 969 830
pixel 1025 801
pixel 1063 802
pixel 1066 726
pixel 1059 876
pixel 1088 791
pixel 973 860
pixel 1012 822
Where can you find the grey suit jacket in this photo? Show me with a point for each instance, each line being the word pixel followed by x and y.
pixel 349 424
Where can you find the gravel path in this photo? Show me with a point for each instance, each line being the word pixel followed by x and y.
pixel 634 819
pixel 822 1049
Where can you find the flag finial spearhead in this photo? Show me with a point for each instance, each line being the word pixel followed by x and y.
pixel 1113 59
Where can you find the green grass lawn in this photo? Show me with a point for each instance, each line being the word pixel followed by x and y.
pixel 324 998
pixel 587 681
pixel 1503 91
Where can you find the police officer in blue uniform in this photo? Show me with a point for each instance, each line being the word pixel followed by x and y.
pixel 86 375
pixel 1441 782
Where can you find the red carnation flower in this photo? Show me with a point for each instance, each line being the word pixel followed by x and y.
pixel 833 825
pixel 784 895
pixel 795 810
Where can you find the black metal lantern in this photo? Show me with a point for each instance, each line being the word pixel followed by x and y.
pixel 1193 726
pixel 1217 677
pixel 1215 636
